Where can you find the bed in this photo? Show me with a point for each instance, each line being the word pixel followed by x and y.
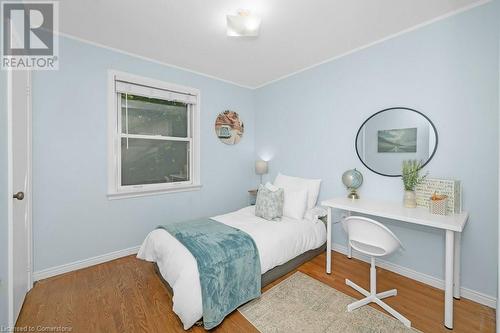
pixel 282 246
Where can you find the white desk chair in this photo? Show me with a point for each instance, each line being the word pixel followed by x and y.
pixel 376 240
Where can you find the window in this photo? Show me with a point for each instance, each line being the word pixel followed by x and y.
pixel 154 137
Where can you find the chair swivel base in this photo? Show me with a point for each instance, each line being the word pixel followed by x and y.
pixel 376 298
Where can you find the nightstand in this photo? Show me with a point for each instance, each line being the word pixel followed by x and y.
pixel 252 196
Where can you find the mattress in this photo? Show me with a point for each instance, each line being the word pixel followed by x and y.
pixel 277 242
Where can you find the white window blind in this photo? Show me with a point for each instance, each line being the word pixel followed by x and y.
pixel 147 91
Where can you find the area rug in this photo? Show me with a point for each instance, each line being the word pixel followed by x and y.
pixel 303 304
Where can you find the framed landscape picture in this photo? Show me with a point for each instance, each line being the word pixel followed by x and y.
pixel 401 140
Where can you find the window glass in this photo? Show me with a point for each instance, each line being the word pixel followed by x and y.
pixel 150 161
pixel 151 116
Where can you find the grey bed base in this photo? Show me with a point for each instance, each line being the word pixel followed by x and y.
pixel 273 274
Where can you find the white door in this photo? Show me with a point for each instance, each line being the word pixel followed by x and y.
pixel 20 173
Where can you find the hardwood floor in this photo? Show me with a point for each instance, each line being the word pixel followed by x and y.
pixel 126 295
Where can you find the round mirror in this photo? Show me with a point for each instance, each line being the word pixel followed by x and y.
pixel 393 135
pixel 229 127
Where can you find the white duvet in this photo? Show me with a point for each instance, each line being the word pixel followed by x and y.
pixel 277 243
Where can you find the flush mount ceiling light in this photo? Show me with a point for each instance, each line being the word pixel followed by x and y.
pixel 244 24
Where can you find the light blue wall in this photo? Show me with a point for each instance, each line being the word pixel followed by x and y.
pixel 308 122
pixel 3 200
pixel 447 70
pixel 72 217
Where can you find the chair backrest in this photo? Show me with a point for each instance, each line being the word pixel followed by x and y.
pixel 370 237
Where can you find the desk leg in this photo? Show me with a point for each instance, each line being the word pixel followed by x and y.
pixel 448 285
pixel 329 242
pixel 349 248
pixel 456 270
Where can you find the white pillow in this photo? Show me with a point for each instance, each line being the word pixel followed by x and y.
pixel 296 184
pixel 294 205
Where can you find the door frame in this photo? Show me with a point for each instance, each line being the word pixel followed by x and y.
pixel 10 191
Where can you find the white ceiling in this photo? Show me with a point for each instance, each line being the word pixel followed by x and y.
pixel 294 34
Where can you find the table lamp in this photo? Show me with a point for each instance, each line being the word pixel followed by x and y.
pixel 260 168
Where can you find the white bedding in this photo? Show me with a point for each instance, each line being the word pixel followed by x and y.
pixel 277 243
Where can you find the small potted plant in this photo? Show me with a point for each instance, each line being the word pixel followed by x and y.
pixel 411 178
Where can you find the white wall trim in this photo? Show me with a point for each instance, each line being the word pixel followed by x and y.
pixel 76 265
pixel 421 277
pixel 397 34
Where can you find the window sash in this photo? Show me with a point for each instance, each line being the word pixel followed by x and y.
pixel 119 104
pixel 119 135
pixel 156 186
pixel 153 137
pixel 189 137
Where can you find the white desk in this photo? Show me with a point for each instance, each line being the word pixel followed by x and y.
pixel 452 224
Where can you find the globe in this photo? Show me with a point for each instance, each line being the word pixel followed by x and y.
pixel 352 179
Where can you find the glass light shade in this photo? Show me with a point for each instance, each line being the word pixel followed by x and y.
pixel 260 167
pixel 243 25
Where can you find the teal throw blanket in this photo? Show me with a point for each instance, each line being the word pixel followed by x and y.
pixel 228 265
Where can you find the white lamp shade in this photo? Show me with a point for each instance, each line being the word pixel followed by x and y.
pixel 260 167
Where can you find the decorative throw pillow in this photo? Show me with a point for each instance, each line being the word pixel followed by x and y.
pixel 271 187
pixel 269 204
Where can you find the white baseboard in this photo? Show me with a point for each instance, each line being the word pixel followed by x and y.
pixel 76 265
pixel 421 277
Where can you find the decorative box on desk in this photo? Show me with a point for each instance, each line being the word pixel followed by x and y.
pixel 449 187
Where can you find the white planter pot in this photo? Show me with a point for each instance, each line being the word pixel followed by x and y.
pixel 410 199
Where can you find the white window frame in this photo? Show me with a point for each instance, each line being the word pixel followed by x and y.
pixel 115 189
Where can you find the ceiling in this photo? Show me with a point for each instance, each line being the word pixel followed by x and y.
pixel 294 34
